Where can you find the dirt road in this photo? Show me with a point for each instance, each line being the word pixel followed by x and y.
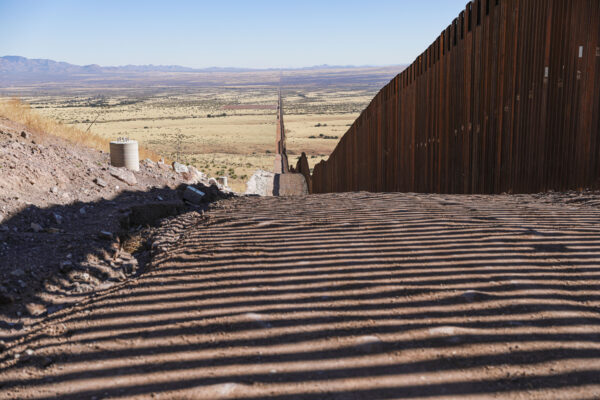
pixel 348 296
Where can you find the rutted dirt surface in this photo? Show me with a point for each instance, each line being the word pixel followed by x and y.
pixel 345 296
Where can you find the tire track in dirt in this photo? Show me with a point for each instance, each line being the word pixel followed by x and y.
pixel 340 296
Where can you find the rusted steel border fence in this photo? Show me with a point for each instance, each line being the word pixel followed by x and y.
pixel 507 99
pixel 281 165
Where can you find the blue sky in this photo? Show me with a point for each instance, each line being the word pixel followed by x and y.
pixel 252 33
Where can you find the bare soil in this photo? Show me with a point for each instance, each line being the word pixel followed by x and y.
pixel 68 226
pixel 342 296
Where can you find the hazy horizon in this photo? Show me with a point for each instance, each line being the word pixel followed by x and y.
pixel 211 66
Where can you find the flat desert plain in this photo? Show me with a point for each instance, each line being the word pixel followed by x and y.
pixel 222 122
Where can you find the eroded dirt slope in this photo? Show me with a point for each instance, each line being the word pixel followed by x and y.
pixel 347 296
pixel 70 224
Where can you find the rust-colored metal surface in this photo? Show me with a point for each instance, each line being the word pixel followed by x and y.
pixel 303 168
pixel 281 165
pixel 506 99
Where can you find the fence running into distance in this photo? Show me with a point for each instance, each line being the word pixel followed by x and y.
pixel 281 165
pixel 506 99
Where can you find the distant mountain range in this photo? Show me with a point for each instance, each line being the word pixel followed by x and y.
pixel 21 65
pixel 16 65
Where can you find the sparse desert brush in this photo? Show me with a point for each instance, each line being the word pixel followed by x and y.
pixel 19 111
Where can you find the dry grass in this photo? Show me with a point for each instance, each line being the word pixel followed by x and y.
pixel 234 144
pixel 220 134
pixel 16 110
pixel 216 139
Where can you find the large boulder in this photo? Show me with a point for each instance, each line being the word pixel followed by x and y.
pixel 264 183
pixel 193 176
pixel 193 195
pixel 261 183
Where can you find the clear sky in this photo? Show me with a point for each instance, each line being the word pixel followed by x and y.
pixel 236 33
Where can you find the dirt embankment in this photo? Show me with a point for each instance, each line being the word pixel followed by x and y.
pixel 71 225
pixel 342 296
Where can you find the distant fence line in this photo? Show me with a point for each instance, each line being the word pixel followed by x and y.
pixel 506 99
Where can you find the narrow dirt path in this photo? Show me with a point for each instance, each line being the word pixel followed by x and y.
pixel 347 296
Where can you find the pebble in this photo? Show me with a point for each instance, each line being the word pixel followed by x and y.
pixel 54 308
pixel 36 227
pixel 105 235
pixel 17 272
pixel 35 309
pixel 54 189
pixel 100 182
pixel 82 210
pixel 47 361
pixel 82 288
pixel 57 218
pixel 368 343
pixel 129 267
pixel 475 295
pixel 66 266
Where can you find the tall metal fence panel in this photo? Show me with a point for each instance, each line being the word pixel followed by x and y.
pixel 507 99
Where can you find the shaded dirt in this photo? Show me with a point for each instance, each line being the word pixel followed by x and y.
pixel 69 227
pixel 347 296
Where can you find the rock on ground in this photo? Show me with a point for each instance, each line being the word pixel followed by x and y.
pixel 123 175
pixel 263 183
pixel 65 215
pixel 193 195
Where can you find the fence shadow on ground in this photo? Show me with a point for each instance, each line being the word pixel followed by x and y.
pixel 343 296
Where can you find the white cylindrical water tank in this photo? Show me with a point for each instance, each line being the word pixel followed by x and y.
pixel 124 153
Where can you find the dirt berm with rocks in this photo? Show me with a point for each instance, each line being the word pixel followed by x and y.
pixel 72 226
pixel 340 296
